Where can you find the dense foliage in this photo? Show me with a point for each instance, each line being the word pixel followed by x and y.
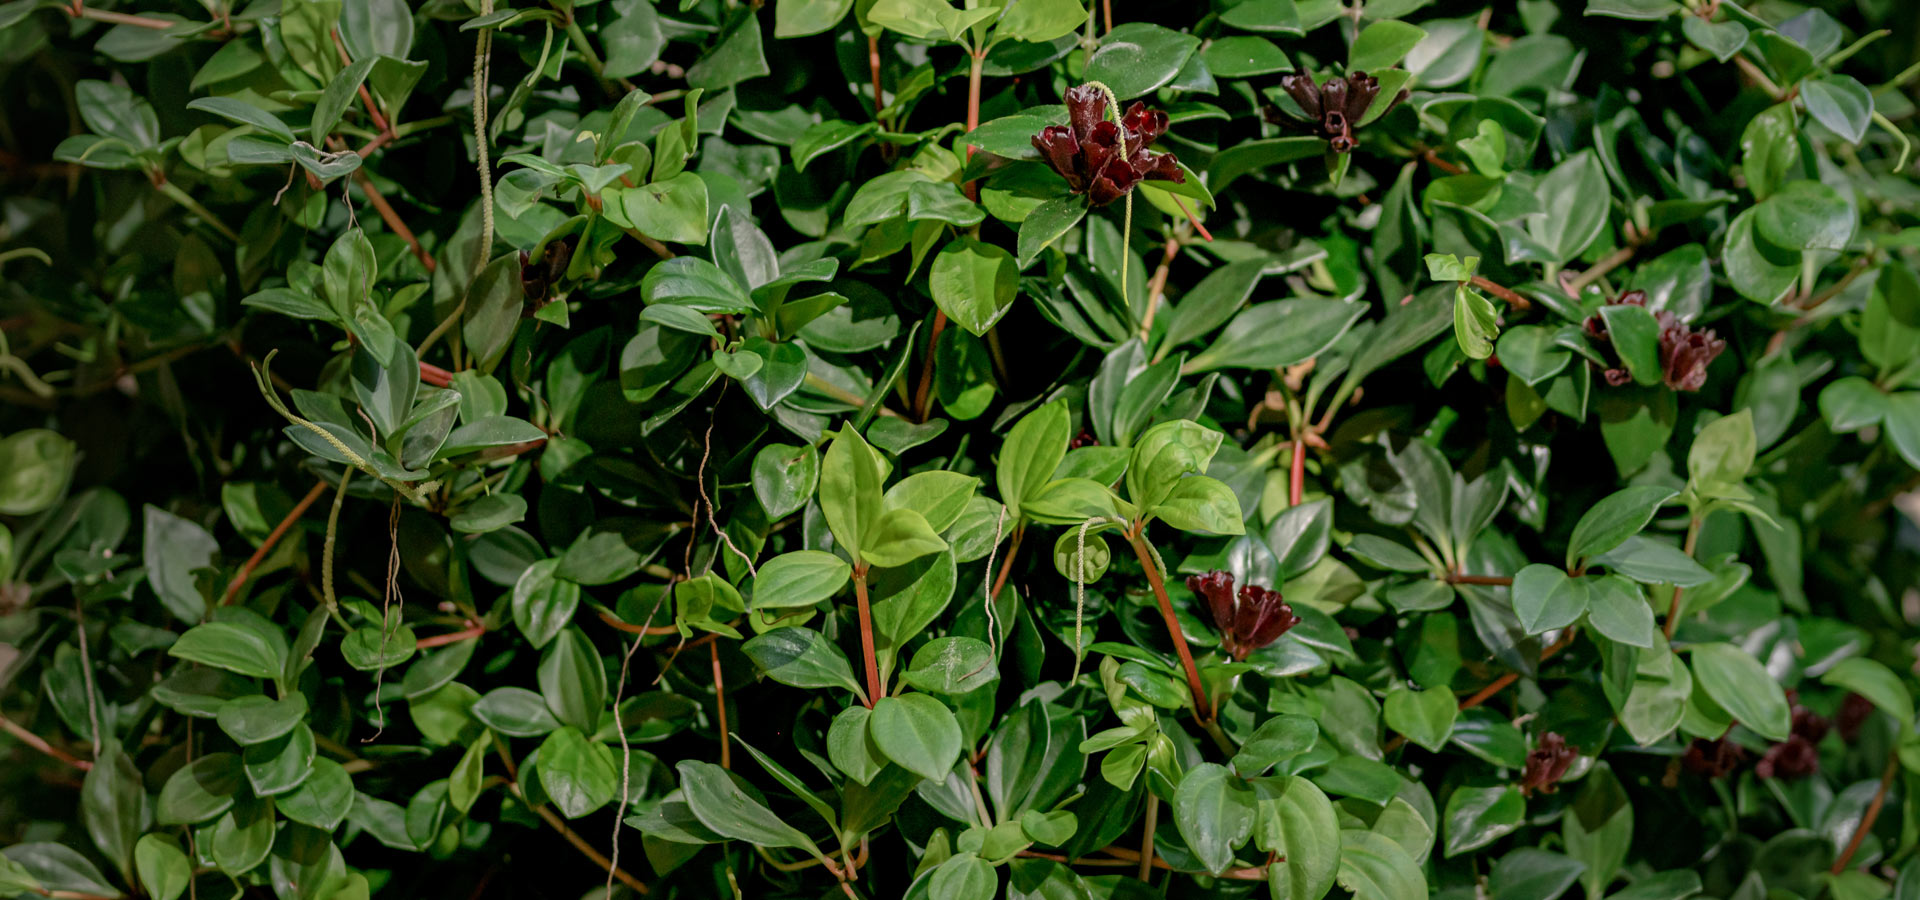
pixel 894 449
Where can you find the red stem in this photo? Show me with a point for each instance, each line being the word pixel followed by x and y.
pixel 1872 813
pixel 720 701
pixel 873 62
pixel 1013 549
pixel 1201 707
pixel 1297 474
pixel 273 538
pixel 874 692
pixel 454 637
pixel 38 743
pixel 923 396
pixel 1494 580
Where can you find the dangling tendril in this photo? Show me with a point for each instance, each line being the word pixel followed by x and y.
pixel 1079 599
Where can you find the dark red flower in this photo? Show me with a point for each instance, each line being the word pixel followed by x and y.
pixel 1084 439
pixel 1104 159
pixel 1794 757
pixel 1684 352
pixel 1547 764
pixel 1852 716
pixel 1333 110
pixel 1248 620
pixel 1713 759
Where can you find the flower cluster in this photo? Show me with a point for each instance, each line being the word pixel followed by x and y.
pixel 1712 759
pixel 1334 109
pixel 1249 619
pixel 1797 756
pixel 1547 764
pixel 1684 352
pixel 1105 159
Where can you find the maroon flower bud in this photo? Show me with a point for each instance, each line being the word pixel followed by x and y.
pixel 1333 110
pixel 1852 716
pixel 1794 757
pixel 1713 759
pixel 1547 764
pixel 1685 353
pixel 1249 619
pixel 1101 158
pixel 1084 439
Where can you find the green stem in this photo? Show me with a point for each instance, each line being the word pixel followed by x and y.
pixel 191 205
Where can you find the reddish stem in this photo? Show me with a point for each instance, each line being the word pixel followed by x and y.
pixel 440 640
pixel 1192 219
pixel 393 220
pixel 923 395
pixel 1519 303
pixel 720 701
pixel 273 538
pixel 434 375
pixel 1201 707
pixel 873 62
pixel 1873 812
pixel 1494 580
pixel 38 743
pixel 1013 549
pixel 1297 474
pixel 866 636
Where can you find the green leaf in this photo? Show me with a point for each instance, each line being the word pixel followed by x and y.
pixel 1384 43
pixel 1618 609
pixel 200 790
pixel 1136 57
pixel 1574 196
pixel 1531 873
pixel 800 578
pixel 802 658
pixel 1425 717
pixel 1852 403
pixel 542 603
pixel 174 549
pixel 1478 816
pixel 1276 335
pixel 1047 223
pixel 1297 821
pixel 917 732
pixel 1840 103
pixel 1805 215
pixel 973 282
pixel 239 646
pixel 1742 687
pixel 1632 9
pixel 580 775
pixel 952 666
pixel 1214 810
pixel 1546 599
pixel 1615 518
pixel 163 867
pixel 1374 867
pixel 722 806
pixel 1876 682
pixel 256 719
pixel 323 800
pixel 1723 452
pixel 850 494
pixel 1475 323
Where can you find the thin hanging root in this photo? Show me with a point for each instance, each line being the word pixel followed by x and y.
pixel 386 614
pixel 626 761
pixel 1079 600
pixel 987 595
